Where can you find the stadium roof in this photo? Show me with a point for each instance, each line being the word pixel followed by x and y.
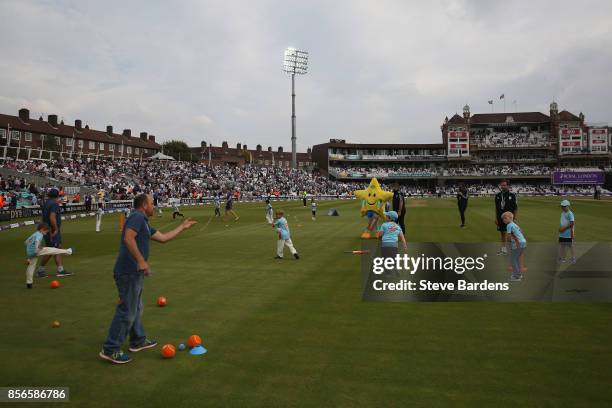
pixel 385 145
pixel 517 117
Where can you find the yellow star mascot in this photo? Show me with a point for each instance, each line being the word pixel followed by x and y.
pixel 373 200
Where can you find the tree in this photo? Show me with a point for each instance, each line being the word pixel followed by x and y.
pixel 179 150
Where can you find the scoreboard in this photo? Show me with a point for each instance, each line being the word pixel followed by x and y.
pixel 598 140
pixel 458 143
pixel 571 140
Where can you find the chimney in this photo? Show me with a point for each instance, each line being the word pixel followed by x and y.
pixel 258 148
pixel 224 145
pixel 245 147
pixel 203 144
pixel 309 150
pixel 269 148
pixel 24 114
pixel 127 132
pixel 143 136
pixel 238 146
pixel 152 138
pixel 109 130
pixel 78 124
pixel 87 126
pixel 52 119
pixel 280 149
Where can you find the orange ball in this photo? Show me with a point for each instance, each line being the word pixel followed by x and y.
pixel 194 340
pixel 161 301
pixel 55 284
pixel 168 351
pixel 55 324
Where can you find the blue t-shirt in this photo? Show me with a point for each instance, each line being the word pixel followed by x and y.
pixel 391 232
pixel 566 219
pixel 516 235
pixel 125 261
pixel 51 206
pixel 283 227
pixel 33 244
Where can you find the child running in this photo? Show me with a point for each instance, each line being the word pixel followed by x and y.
pixel 566 232
pixel 269 212
pixel 284 236
pixel 34 250
pixel 99 214
pixel 313 209
pixel 217 205
pixel 175 210
pixel 519 243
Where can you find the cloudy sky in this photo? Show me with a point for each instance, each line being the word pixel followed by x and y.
pixel 379 70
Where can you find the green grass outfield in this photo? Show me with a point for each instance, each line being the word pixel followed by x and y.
pixel 296 333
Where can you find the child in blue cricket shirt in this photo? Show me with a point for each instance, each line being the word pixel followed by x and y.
pixel 566 232
pixel 284 236
pixel 514 234
pixel 391 235
pixel 34 249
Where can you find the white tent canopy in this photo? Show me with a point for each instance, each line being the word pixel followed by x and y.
pixel 161 156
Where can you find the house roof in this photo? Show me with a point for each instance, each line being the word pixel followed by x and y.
pixel 566 116
pixel 230 154
pixel 63 130
pixel 456 119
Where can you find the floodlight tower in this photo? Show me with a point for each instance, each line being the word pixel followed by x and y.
pixel 296 62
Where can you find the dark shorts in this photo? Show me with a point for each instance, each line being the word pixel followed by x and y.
pixel 566 240
pixel 314 212
pixel 388 251
pixel 228 208
pixel 56 242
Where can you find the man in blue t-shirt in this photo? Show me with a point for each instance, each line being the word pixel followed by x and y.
pixel 52 216
pixel 130 269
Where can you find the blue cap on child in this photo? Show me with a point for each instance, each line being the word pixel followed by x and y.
pixel 392 215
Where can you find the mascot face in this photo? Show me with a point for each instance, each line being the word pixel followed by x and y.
pixel 373 198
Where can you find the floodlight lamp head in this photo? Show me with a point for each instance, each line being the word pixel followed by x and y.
pixel 296 61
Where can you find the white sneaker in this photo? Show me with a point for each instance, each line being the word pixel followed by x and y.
pixel 69 251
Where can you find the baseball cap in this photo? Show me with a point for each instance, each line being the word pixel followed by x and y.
pixel 565 203
pixel 391 214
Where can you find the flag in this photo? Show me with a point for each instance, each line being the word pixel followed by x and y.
pixel 501 96
pixel 491 102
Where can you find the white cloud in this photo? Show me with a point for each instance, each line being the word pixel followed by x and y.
pixel 386 70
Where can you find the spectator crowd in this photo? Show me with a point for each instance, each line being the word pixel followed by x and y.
pixel 105 180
